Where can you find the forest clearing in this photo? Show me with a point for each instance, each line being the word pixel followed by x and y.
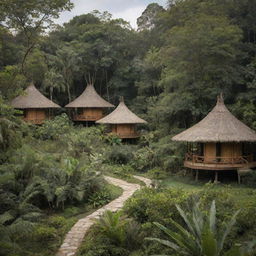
pixel 118 140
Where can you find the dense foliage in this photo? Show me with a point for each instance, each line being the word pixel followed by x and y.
pixel 170 71
pixel 195 227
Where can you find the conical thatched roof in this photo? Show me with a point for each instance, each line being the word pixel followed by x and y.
pixel 121 115
pixel 32 98
pixel 218 126
pixel 89 99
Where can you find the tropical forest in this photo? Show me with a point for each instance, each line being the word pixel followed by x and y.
pixel 118 140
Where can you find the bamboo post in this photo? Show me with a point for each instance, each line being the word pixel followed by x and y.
pixel 216 177
pixel 238 177
pixel 196 178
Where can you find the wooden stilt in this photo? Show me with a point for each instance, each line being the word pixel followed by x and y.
pixel 238 177
pixel 196 175
pixel 216 177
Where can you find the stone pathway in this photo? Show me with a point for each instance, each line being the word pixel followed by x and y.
pixel 75 236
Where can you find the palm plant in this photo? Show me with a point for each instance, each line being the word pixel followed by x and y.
pixel 112 226
pixel 9 129
pixel 201 236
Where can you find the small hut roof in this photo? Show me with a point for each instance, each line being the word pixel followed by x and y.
pixel 32 98
pixel 218 126
pixel 121 115
pixel 89 99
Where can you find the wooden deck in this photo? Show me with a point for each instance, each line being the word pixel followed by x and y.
pixel 219 163
pixel 217 166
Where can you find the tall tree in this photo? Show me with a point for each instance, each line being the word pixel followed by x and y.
pixel 30 18
pixel 149 16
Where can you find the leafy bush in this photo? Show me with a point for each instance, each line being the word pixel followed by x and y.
pixel 122 154
pixel 144 158
pixel 150 205
pixel 89 140
pixel 53 129
pixel 113 234
pixel 170 155
pixel 113 140
pixel 249 179
pixel 201 235
pixel 111 224
pixel 57 222
pixel 11 129
pixel 44 234
pixel 99 198
pixel 157 174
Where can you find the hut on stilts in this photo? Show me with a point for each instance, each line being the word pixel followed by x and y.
pixel 89 106
pixel 123 122
pixel 219 142
pixel 35 106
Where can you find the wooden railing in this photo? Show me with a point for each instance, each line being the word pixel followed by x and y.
pixel 85 118
pixel 35 121
pixel 219 160
pixel 126 135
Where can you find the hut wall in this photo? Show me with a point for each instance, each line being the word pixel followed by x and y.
pixel 36 116
pixel 209 152
pixel 114 128
pixel 89 114
pixel 95 113
pixel 124 130
pixel 231 150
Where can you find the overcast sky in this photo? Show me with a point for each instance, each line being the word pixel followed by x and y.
pixel 129 10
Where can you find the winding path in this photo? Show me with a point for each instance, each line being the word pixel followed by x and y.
pixel 75 236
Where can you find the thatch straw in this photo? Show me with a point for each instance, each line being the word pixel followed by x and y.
pixel 32 98
pixel 121 115
pixel 218 126
pixel 89 99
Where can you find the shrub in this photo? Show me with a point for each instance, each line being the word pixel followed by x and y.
pixel 157 174
pixel 144 158
pixel 249 179
pixel 71 211
pixel 150 205
pixel 89 140
pixel 44 234
pixel 57 222
pixel 122 154
pixel 169 154
pixel 113 139
pixel 53 129
pixel 100 198
pixel 111 224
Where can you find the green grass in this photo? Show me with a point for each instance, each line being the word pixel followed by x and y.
pixel 122 172
pixel 241 193
pixel 184 183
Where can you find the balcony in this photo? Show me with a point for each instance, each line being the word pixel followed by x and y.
pixel 218 163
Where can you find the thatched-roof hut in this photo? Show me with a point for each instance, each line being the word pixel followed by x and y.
pixel 34 104
pixel 219 142
pixel 123 121
pixel 89 106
